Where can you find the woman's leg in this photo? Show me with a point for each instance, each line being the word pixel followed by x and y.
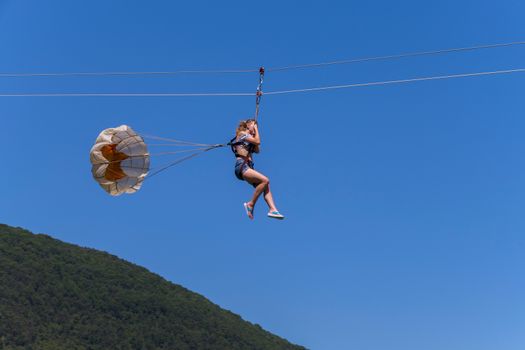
pixel 268 197
pixel 259 181
pixel 262 184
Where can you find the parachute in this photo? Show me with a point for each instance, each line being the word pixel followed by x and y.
pixel 120 160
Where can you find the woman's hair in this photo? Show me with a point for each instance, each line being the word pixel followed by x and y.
pixel 243 126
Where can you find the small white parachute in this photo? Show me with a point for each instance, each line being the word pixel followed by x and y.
pixel 120 160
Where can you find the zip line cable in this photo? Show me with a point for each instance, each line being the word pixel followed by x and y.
pixel 281 92
pixel 103 74
pixel 402 55
pixel 127 94
pixel 400 81
pixel 270 69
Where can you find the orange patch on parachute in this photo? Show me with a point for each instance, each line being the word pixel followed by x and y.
pixel 114 171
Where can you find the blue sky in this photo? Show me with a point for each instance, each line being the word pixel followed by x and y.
pixel 404 203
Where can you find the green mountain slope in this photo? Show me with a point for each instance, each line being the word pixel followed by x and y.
pixel 55 295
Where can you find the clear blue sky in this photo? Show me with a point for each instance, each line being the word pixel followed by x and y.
pixel 404 203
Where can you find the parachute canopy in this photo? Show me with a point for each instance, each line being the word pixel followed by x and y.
pixel 120 160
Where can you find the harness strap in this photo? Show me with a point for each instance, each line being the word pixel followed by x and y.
pixel 233 144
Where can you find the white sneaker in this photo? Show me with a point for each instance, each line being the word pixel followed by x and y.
pixel 275 215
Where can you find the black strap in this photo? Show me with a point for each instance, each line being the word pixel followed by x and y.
pixel 234 143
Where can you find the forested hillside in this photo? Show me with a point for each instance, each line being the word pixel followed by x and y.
pixel 55 295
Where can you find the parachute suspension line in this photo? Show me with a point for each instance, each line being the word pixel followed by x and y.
pixel 172 145
pixel 175 142
pixel 259 92
pixel 178 152
pixel 165 145
pixel 178 161
pixel 157 154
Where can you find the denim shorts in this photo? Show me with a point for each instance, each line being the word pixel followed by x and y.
pixel 241 166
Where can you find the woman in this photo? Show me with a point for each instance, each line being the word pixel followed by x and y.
pixel 246 142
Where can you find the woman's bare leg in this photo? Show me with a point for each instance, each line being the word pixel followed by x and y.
pixel 268 197
pixel 259 181
pixel 262 184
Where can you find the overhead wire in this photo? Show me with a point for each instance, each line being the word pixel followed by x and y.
pixel 399 81
pixel 103 74
pixel 277 92
pixel 198 94
pixel 396 56
pixel 272 69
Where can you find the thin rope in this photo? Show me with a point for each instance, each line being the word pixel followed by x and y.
pixel 402 55
pixel 178 152
pixel 167 145
pixel 103 74
pixel 173 164
pixel 273 69
pixel 127 94
pixel 178 161
pixel 176 142
pixel 155 155
pixel 333 87
pixel 401 81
